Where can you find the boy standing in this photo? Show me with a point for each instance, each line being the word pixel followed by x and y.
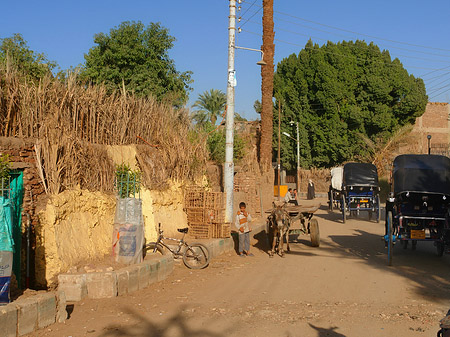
pixel 243 227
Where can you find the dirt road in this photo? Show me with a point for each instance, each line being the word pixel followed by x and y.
pixel 342 288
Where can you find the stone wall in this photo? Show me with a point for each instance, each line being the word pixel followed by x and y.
pixel 22 157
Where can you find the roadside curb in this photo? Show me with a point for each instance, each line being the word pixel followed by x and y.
pixel 32 313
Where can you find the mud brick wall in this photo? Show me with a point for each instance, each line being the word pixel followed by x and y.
pixel 434 122
pixel 21 155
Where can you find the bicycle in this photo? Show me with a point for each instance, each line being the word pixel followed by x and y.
pixel 195 256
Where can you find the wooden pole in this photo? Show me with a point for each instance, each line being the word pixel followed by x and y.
pixel 279 150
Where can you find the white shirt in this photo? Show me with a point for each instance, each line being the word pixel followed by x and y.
pixel 288 197
pixel 242 221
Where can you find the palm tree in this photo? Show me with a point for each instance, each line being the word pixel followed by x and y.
pixel 209 105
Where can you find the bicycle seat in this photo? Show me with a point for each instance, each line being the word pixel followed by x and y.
pixel 183 230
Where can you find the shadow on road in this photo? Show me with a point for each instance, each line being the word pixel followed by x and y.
pixel 322 332
pixel 431 274
pixel 177 324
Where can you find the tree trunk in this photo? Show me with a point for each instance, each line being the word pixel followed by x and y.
pixel 268 48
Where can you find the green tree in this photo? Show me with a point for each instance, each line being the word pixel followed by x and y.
pixel 137 57
pixel 343 95
pixel 209 106
pixel 15 52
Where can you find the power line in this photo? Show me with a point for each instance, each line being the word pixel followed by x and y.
pixel 438 89
pixel 345 36
pixel 412 57
pixel 328 52
pixel 357 33
pixel 248 8
pixel 353 32
pixel 442 92
pixel 433 79
pixel 435 71
pixel 250 17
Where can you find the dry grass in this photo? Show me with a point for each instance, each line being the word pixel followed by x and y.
pixel 68 119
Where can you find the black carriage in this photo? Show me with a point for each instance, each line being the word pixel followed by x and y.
pixel 335 189
pixel 418 206
pixel 360 191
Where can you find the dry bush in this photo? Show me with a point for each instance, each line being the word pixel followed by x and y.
pixel 67 118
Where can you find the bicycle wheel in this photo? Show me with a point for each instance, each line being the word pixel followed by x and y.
pixel 390 234
pixel 196 256
pixel 149 248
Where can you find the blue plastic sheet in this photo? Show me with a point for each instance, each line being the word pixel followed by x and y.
pixel 6 259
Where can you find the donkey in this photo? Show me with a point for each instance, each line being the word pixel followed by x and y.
pixel 279 222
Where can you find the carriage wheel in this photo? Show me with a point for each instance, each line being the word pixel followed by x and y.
pixel 390 234
pixel 378 209
pixel 405 244
pixel 331 201
pixel 344 216
pixel 440 248
pixel 314 233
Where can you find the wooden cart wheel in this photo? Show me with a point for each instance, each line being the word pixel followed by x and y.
pixel 314 233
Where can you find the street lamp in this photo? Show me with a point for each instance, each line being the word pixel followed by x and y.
pixel 298 152
pixel 429 145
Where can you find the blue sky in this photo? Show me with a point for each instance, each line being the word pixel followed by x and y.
pixel 414 31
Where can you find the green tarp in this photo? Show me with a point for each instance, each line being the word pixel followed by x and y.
pixel 6 240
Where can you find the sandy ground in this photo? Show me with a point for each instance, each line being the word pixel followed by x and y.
pixel 342 288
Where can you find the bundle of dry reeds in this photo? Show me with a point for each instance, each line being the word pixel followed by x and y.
pixel 69 118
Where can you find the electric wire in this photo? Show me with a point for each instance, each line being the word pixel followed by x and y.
pixel 406 56
pixel 328 52
pixel 243 14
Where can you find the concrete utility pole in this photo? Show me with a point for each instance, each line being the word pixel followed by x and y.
pixel 229 165
pixel 279 151
pixel 298 160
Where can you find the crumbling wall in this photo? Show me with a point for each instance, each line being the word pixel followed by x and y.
pixel 74 227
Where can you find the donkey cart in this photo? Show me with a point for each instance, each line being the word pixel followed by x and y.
pixel 286 219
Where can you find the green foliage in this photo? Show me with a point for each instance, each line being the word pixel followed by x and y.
pixel 137 57
pixel 5 166
pixel 128 182
pixel 257 106
pixel 209 106
pixel 15 52
pixel 239 118
pixel 216 145
pixel 343 95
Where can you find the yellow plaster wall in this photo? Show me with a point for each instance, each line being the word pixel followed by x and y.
pixel 76 226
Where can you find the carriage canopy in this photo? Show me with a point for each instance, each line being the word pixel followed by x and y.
pixel 360 174
pixel 421 173
pixel 336 178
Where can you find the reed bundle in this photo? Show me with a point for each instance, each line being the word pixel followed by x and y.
pixel 70 121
